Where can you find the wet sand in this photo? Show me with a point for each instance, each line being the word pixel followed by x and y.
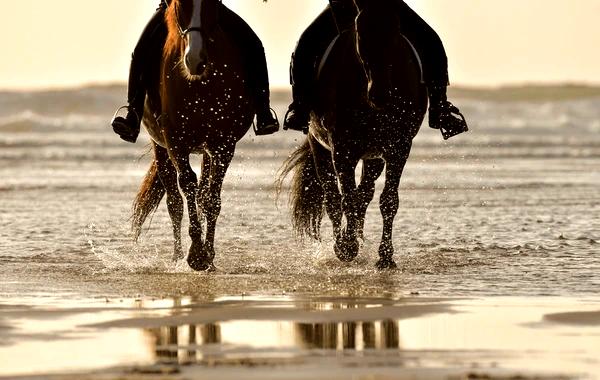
pixel 302 337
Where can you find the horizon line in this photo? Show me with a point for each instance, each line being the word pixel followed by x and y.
pixel 278 88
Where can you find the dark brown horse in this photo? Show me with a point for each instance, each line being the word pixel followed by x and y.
pixel 369 105
pixel 200 106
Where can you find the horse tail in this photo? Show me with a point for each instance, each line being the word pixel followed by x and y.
pixel 147 199
pixel 307 197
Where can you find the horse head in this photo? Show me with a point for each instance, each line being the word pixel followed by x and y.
pixel 377 42
pixel 192 25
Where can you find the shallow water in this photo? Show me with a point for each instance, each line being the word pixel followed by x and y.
pixel 276 336
pixel 510 209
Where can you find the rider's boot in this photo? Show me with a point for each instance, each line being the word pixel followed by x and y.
pixel 443 115
pixel 128 126
pixel 258 81
pixel 297 117
pixel 266 120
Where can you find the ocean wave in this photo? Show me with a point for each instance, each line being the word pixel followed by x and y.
pixel 569 107
pixel 573 116
pixel 30 121
pixel 101 100
pixel 74 125
pixel 527 92
pixel 105 99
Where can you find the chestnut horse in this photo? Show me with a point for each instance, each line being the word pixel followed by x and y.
pixel 201 106
pixel 368 105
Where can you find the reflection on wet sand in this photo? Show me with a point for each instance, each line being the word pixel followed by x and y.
pixel 348 335
pixel 198 343
pixel 327 334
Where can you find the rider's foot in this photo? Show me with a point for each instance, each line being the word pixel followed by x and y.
pixel 128 127
pixel 448 119
pixel 266 123
pixel 296 118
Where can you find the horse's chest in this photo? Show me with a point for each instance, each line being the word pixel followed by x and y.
pixel 213 93
pixel 212 99
pixel 363 133
pixel 202 111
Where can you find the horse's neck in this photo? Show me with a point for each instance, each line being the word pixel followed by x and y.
pixel 223 54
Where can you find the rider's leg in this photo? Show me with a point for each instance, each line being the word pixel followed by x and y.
pixel 256 63
pixel 313 42
pixel 153 36
pixel 442 114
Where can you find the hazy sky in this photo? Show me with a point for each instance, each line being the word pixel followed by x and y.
pixel 489 42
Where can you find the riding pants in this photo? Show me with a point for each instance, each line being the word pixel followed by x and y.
pixel 311 46
pixel 146 58
pixel 253 52
pixel 427 43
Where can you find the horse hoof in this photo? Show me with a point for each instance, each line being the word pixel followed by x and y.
pixel 178 256
pixel 211 268
pixel 346 250
pixel 386 263
pixel 198 259
pixel 200 265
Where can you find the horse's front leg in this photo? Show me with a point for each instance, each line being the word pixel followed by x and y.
pixel 188 182
pixel 389 203
pixel 168 177
pixel 329 183
pixel 220 161
pixel 203 186
pixel 347 245
pixel 366 190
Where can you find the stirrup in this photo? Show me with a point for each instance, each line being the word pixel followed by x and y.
pixel 447 133
pixel 120 126
pixel 128 108
pixel 269 129
pixel 304 128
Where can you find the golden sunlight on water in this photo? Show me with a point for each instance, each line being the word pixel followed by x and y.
pixel 501 333
pixel 58 345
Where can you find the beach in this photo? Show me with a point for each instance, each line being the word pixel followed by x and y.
pixel 308 337
pixel 497 243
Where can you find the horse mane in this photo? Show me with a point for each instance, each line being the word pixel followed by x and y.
pixel 173 38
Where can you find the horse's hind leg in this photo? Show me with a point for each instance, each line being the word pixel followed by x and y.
pixel 168 177
pixel 389 203
pixel 327 178
pixel 188 182
pixel 366 190
pixel 220 161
